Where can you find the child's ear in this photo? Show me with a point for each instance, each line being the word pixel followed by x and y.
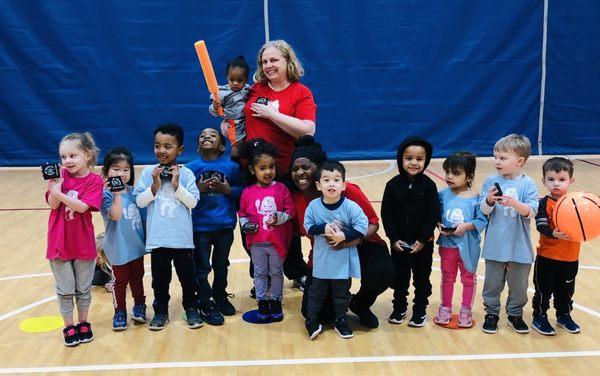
pixel 344 186
pixel 180 150
pixel 318 183
pixel 521 161
pixel 251 169
pixel 221 148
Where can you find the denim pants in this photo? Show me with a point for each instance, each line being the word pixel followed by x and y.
pixel 219 243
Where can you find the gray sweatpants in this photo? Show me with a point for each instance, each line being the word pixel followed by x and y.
pixel 267 262
pixel 73 279
pixel 497 274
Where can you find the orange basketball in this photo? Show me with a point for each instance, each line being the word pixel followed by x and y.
pixel 577 214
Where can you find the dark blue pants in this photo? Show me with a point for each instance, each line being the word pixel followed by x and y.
pixel 219 243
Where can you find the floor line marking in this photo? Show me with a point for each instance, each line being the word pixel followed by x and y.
pixel 390 167
pixel 27 307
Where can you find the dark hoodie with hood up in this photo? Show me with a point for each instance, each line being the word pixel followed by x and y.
pixel 410 209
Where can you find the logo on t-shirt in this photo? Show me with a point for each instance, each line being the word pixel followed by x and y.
pixel 167 203
pixel 132 213
pixel 267 208
pixel 455 216
pixel 68 211
pixel 509 211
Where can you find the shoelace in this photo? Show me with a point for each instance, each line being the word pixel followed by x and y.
pixel 70 332
pixel 84 329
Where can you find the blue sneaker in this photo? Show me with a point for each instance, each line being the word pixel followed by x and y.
pixel 210 314
pixel 120 320
pixel 139 313
pixel 541 325
pixel 567 323
pixel 159 321
pixel 193 319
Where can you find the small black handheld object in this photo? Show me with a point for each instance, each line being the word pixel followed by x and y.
pixel 498 189
pixel 207 175
pixel 165 173
pixel 262 100
pixel 116 184
pixel 407 246
pixel 448 229
pixel 50 171
pixel 250 227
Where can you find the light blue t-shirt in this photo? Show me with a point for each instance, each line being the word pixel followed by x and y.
pixel 327 262
pixel 508 234
pixel 457 210
pixel 169 222
pixel 123 239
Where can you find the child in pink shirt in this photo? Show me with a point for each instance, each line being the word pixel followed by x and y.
pixel 71 243
pixel 266 208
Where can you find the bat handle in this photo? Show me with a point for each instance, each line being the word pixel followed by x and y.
pixel 220 111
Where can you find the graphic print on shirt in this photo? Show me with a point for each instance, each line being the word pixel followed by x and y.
pixel 508 211
pixel 455 216
pixel 68 211
pixel 267 208
pixel 132 213
pixel 167 203
pixel 274 104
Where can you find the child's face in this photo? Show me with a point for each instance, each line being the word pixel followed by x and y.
pixel 166 148
pixel 456 179
pixel 210 140
pixel 303 174
pixel 264 169
pixel 507 163
pixel 331 185
pixel 236 78
pixel 413 159
pixel 122 169
pixel 73 158
pixel 557 183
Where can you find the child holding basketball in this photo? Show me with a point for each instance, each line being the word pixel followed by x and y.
pixel 124 240
pixel 459 241
pixel 557 257
pixel 510 202
pixel 232 98
pixel 214 219
pixel 71 244
pixel 266 208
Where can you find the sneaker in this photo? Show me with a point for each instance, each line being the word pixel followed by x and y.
pixel 465 318
pixel 193 318
pixel 276 310
pixel 253 292
pixel 264 311
pixel 120 320
pixel 84 332
pixel 138 313
pixel 313 328
pixel 443 316
pixel 101 277
pixel 567 323
pixel 366 317
pixel 299 283
pixel 490 324
pixel 397 316
pixel 210 314
pixel 343 329
pixel 70 336
pixel 518 325
pixel 159 321
pixel 417 320
pixel 541 325
pixel 224 306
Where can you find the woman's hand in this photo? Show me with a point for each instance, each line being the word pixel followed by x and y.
pixel 263 111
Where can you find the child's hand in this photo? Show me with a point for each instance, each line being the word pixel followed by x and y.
pixel 491 197
pixel 272 219
pixel 156 176
pixel 560 235
pixel 222 187
pixel 335 239
pixel 461 228
pixel 203 185
pixel 417 247
pixel 249 228
pixel 174 170
pixel 55 185
pixel 397 246
pixel 216 104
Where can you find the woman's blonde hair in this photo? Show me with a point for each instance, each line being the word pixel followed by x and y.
pixel 293 65
pixel 86 143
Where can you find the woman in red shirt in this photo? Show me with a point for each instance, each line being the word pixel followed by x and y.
pixel 377 269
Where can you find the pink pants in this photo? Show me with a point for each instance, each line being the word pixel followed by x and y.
pixel 451 262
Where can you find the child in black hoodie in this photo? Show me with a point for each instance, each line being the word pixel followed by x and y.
pixel 410 211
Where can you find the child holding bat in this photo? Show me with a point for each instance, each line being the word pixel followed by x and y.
pixel 214 219
pixel 232 99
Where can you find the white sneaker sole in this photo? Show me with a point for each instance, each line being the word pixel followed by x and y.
pixel 344 336
pixel 570 331
pixel 317 332
pixel 418 325
pixel 516 330
pixel 542 332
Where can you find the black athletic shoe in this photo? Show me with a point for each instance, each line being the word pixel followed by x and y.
pixel 264 311
pixel 343 329
pixel 418 320
pixel 567 323
pixel 70 336
pixel 490 324
pixel 366 318
pixel 84 332
pixel 210 314
pixel 541 325
pixel 397 316
pixel 313 328
pixel 224 305
pixel 276 310
pixel 518 325
pixel 299 283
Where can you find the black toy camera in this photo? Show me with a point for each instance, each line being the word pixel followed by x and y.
pixel 116 184
pixel 50 171
pixel 165 173
pixel 262 100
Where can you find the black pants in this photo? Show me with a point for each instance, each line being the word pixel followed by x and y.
pixel 161 277
pixel 377 274
pixel 294 265
pixel 337 289
pixel 218 243
pixel 553 277
pixel 419 266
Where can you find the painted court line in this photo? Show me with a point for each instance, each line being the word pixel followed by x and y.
pixel 26 308
pixel 304 361
pixel 390 167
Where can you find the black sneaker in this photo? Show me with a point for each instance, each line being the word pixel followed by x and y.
pixel 70 336
pixel 418 320
pixel 159 321
pixel 101 277
pixel 567 323
pixel 276 310
pixel 343 329
pixel 193 318
pixel 210 314
pixel 253 292
pixel 541 325
pixel 224 306
pixel 84 332
pixel 518 325
pixel 397 316
pixel 264 311
pixel 299 283
pixel 490 324
pixel 313 328
pixel 366 318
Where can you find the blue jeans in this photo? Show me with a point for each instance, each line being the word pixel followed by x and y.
pixel 219 242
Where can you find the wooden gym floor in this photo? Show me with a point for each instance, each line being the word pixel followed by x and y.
pixel 27 290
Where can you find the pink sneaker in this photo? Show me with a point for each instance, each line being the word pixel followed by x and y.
pixel 465 319
pixel 443 316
